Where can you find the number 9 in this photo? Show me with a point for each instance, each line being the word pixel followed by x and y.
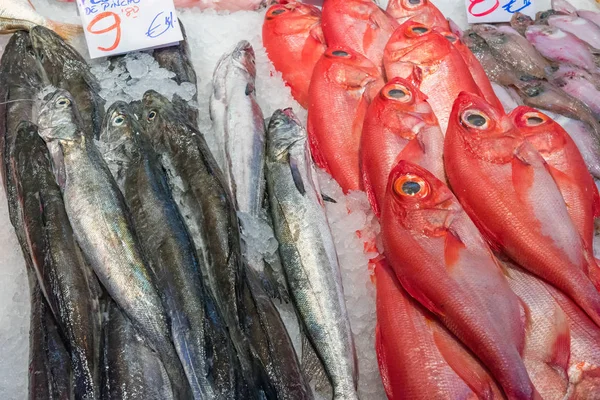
pixel 115 26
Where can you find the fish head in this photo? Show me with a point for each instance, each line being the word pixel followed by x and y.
pixel 474 42
pixel 284 131
pixel 414 43
pixel 543 132
pixel 20 58
pixel 491 34
pixel 243 57
pixel 405 9
pixel 352 71
pixel 57 116
pixel 541 18
pixel 291 18
pixel 419 200
pixel 157 113
pixel 53 52
pixel 120 133
pixel 520 21
pixel 485 131
pixel 404 108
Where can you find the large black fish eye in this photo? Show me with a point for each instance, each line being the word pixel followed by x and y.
pixel 63 101
pixel 278 11
pixel 420 30
pixel 414 2
pixel 475 119
pixel 411 188
pixel 118 120
pixel 152 115
pixel 340 53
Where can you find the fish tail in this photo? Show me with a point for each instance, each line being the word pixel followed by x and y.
pixel 64 30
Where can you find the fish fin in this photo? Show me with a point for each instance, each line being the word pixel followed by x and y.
pixel 382 361
pixel 593 270
pixel 420 297
pixel 452 247
pixel 463 363
pixel 296 175
pixel 65 31
pixel 311 364
pixel 314 148
pixel 370 193
pixel 560 350
pixel 328 199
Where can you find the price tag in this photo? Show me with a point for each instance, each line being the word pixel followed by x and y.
pixel 120 26
pixel 479 11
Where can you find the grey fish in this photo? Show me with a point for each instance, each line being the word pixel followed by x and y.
pixel 514 49
pixel 199 189
pixel 101 223
pixel 541 17
pixel 65 279
pixel 199 332
pixel 308 251
pixel 132 371
pixel 178 59
pixel 520 22
pixel 67 70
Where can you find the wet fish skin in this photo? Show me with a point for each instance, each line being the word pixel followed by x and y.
pixel 308 252
pixel 424 12
pixel 66 280
pixel 541 17
pixel 66 69
pixel 579 84
pixel 519 22
pixel 101 223
pixel 131 369
pixel 580 27
pixel 210 362
pixel 593 16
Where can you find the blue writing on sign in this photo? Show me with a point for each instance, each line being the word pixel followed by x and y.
pixel 521 4
pixel 97 5
pixel 157 27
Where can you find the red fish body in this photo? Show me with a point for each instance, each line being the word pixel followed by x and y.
pixel 418 358
pixel 417 52
pixel 421 11
pixel 566 165
pixel 342 86
pixel 399 125
pixel 359 25
pixel 294 41
pixel 504 184
pixel 441 260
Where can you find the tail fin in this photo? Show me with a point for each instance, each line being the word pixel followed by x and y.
pixel 64 30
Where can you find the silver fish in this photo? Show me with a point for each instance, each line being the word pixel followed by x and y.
pixel 100 221
pixel 308 252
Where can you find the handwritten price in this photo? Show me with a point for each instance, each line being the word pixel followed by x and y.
pixel 116 26
pixel 497 10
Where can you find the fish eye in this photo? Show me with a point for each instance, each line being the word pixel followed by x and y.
pixel 420 30
pixel 118 120
pixel 151 115
pixel 411 186
pixel 451 38
pixel 340 53
pixel 278 11
pixel 399 93
pixel 533 119
pixel 413 3
pixel 63 102
pixel 475 119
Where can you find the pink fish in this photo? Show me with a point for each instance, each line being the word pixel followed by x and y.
pixel 580 27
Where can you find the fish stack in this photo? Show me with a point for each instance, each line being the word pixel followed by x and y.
pixel 487 283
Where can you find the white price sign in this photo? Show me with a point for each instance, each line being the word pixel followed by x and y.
pixel 479 11
pixel 120 26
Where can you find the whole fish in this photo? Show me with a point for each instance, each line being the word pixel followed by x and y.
pixel 477 72
pixel 308 251
pixel 178 59
pixel 131 369
pixel 343 85
pixel 541 17
pixel 66 69
pixel 567 167
pixel 100 221
pixel 560 46
pixel 593 16
pixel 419 53
pixel 519 22
pixel 399 125
pixel 65 279
pixel 444 263
pixel 359 25
pixel 222 5
pixel 239 127
pixel 580 27
pixel 563 7
pixel 198 332
pixel 563 341
pixel 484 148
pixel 18 15
pixel 421 11
pixel 514 49
pixel 579 84
pixel 293 37
pixel 418 358
pixel 205 202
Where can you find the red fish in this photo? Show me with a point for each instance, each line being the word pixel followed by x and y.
pixel 342 86
pixel 562 348
pixel 504 184
pixel 399 125
pixel 359 25
pixel 421 11
pixel 415 51
pixel 418 358
pixel 294 41
pixel 567 167
pixel 477 72
pixel 441 260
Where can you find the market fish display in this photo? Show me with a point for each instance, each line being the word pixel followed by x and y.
pixel 444 263
pixel 100 221
pixel 399 125
pixel 307 251
pixel 484 149
pixel 344 83
pixel 18 15
pixel 293 37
